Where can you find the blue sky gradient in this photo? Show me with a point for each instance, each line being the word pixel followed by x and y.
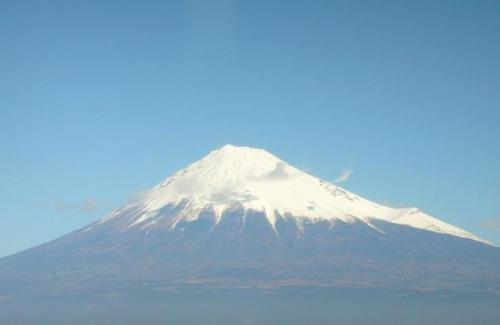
pixel 102 99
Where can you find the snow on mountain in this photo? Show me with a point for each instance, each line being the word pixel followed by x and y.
pixel 255 180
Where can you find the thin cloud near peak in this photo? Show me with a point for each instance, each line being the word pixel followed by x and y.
pixel 492 224
pixel 344 175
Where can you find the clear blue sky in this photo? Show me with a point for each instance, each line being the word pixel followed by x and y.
pixel 101 99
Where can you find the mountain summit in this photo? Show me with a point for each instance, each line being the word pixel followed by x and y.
pixel 242 219
pixel 249 179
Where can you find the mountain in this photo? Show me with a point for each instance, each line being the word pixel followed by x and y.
pixel 241 219
pixel 253 180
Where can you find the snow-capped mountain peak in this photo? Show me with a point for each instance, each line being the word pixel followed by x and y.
pixel 253 179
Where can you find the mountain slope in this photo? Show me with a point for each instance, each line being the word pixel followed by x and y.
pixel 242 219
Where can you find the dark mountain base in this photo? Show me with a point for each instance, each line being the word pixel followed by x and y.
pixel 396 260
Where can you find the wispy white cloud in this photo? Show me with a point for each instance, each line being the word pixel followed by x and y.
pixel 394 205
pixel 279 172
pixel 88 205
pixel 344 175
pixel 136 197
pixel 492 224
